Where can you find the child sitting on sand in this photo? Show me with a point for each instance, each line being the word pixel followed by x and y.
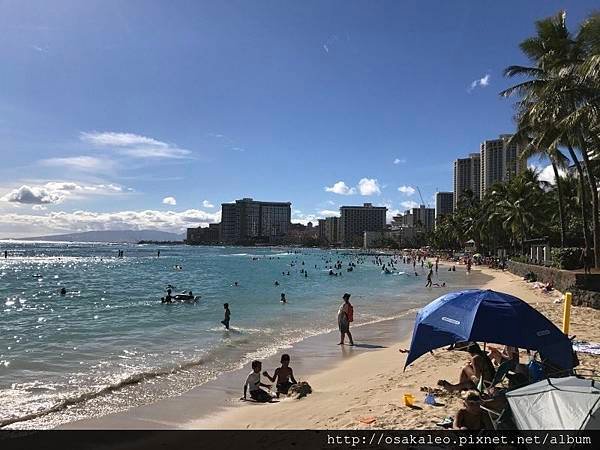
pixel 253 382
pixel 283 375
pixel 471 417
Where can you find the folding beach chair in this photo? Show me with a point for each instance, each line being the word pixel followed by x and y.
pixel 498 418
pixel 501 373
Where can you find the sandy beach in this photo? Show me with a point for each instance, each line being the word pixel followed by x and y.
pixel 367 391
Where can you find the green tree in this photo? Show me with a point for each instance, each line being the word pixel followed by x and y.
pixel 559 101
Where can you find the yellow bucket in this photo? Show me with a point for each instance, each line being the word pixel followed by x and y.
pixel 409 399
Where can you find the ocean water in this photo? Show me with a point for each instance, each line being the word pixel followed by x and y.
pixel 109 343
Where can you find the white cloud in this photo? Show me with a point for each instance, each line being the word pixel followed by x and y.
pixel 112 139
pixel 341 188
pixel 409 204
pixel 368 186
pixel 22 224
pixel 325 48
pixel 399 161
pixel 547 174
pixel 84 163
pixel 53 192
pixel 329 213
pixel 482 82
pixel 389 215
pixel 62 186
pixel 134 145
pixel 207 204
pixel 299 217
pixel 169 201
pixel 407 190
pixel 33 196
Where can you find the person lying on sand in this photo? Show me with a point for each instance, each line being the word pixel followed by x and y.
pixel 254 385
pixel 284 376
pixel 477 367
pixel 471 416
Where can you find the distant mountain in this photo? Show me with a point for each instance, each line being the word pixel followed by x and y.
pixel 111 236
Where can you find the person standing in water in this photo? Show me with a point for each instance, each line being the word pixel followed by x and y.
pixel 225 321
pixel 5 254
pixel 345 316
pixel 283 299
pixel 158 254
pixel 429 282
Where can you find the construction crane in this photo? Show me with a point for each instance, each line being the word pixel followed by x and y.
pixel 422 201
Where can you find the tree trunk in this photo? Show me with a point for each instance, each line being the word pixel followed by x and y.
pixel 595 218
pixel 561 215
pixel 582 188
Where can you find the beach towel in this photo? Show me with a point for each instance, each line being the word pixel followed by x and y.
pixel 593 348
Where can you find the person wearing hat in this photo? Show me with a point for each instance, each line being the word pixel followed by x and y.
pixel 345 316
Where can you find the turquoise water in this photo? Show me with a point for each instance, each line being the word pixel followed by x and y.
pixel 109 343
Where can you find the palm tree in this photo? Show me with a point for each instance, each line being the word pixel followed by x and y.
pixel 521 206
pixel 552 99
pixel 539 140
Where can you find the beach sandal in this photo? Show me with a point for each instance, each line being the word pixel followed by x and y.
pixel 446 423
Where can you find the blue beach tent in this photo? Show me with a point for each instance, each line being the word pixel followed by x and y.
pixel 488 316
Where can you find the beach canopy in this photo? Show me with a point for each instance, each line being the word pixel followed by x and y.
pixel 488 316
pixel 568 403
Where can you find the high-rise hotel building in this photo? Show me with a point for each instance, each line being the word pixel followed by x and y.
pixel 355 220
pixel 499 162
pixel 467 176
pixel 444 204
pixel 250 221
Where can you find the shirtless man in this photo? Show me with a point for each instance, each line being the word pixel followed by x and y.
pixel 283 375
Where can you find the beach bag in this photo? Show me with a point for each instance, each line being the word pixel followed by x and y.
pixel 536 371
pixel 350 313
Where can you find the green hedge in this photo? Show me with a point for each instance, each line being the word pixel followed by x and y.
pixel 567 258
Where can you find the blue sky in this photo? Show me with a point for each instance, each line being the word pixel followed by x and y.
pixel 145 114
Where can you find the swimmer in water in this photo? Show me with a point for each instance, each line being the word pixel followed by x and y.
pixel 283 299
pixel 276 283
pixel 63 291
